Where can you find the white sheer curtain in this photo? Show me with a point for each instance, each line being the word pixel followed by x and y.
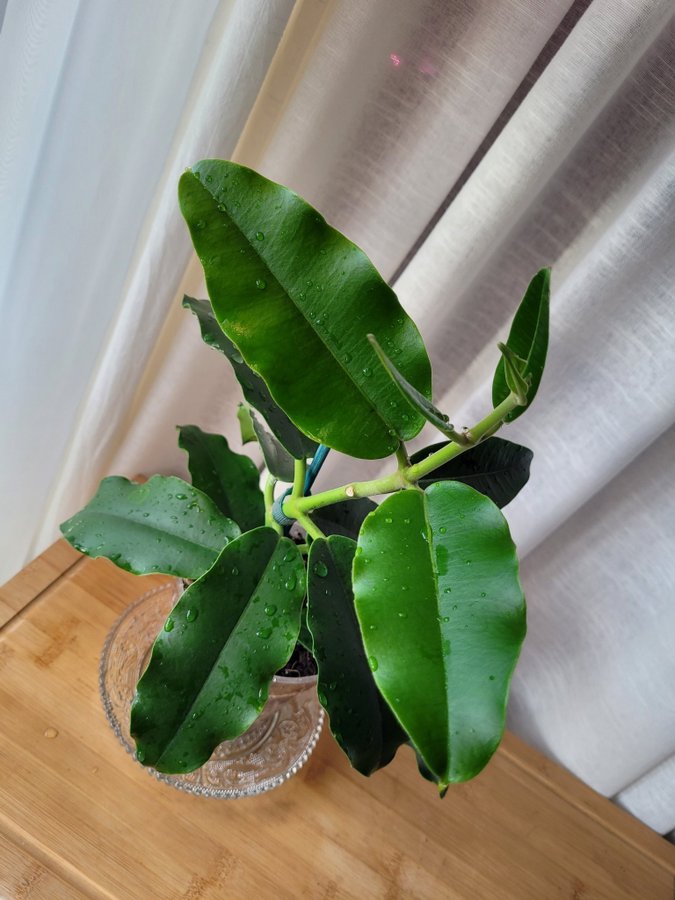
pixel 463 145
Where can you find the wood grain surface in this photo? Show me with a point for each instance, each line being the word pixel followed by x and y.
pixel 80 818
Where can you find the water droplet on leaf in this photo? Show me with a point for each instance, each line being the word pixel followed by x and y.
pixel 321 569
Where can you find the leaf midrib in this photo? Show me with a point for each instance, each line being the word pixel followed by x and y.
pixel 340 364
pixel 219 655
pixel 430 549
pixel 153 528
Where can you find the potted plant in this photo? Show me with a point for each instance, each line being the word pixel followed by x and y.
pixel 412 608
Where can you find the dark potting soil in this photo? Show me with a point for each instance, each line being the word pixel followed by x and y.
pixel 299 665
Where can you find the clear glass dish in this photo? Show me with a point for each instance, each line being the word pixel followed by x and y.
pixel 273 749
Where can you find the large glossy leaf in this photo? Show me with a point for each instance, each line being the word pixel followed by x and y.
pixel 230 479
pixel 442 615
pixel 360 719
pixel 528 339
pixel 254 388
pixel 497 468
pixel 212 664
pixel 343 518
pixel 164 525
pixel 298 299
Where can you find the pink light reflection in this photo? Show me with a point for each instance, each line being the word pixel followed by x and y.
pixel 396 60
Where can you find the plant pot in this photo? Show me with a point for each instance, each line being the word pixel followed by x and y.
pixel 273 749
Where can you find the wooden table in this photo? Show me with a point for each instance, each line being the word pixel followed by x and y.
pixel 80 818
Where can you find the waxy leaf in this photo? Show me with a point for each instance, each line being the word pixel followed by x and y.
pixel 343 518
pixel 497 468
pixel 288 288
pixel 212 664
pixel 164 525
pixel 278 461
pixel 418 401
pixel 528 339
pixel 305 636
pixel 230 479
pixel 442 615
pixel 255 391
pixel 514 366
pixel 426 772
pixel 360 719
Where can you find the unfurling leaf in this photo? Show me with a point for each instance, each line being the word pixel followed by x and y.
pixel 416 400
pixel 211 665
pixel 514 366
pixel 245 424
pixel 164 525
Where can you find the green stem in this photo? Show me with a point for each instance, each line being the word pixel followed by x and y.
pixel 296 506
pixel 268 494
pixel 299 472
pixel 296 496
pixel 402 457
pixel 303 519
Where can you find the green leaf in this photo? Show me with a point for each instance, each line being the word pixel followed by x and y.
pixel 418 401
pixel 305 636
pixel 279 462
pixel 343 518
pixel 254 388
pixel 298 299
pixel 495 467
pixel 230 479
pixel 442 615
pixel 212 664
pixel 426 772
pixel 164 525
pixel 360 720
pixel 528 339
pixel 514 366
pixel 245 424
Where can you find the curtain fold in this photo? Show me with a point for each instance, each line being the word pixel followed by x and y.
pixel 231 61
pixel 463 145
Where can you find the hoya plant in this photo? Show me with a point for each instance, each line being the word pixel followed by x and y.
pixel 411 607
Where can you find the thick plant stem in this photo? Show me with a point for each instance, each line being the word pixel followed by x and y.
pixel 296 495
pixel 268 494
pixel 296 506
